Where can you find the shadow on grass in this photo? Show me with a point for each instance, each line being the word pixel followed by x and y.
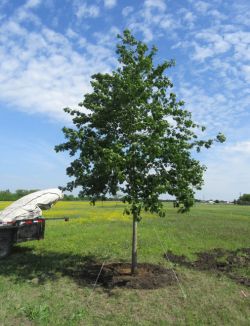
pixel 232 263
pixel 26 265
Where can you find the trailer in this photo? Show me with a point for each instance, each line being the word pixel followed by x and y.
pixel 20 231
pixel 23 221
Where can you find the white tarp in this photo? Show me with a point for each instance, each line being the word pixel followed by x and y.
pixel 30 206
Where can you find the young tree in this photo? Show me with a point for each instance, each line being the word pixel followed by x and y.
pixel 135 137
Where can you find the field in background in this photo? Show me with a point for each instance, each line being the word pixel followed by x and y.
pixel 36 288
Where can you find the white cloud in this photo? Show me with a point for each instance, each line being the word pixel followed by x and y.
pixel 217 15
pixel 209 43
pixel 152 20
pixel 23 15
pixel 107 39
pixel 219 56
pixel 109 3
pixel 83 10
pixel 71 34
pixel 32 3
pixel 215 41
pixel 217 110
pixel 159 4
pixel 227 171
pixel 187 16
pixel 201 53
pixel 242 147
pixel 127 10
pixel 246 72
pixel 201 6
pixel 40 72
pixel 144 28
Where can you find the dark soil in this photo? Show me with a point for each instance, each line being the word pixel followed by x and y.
pixel 112 275
pixel 219 261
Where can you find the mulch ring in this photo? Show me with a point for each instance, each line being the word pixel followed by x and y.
pixel 220 261
pixel 111 275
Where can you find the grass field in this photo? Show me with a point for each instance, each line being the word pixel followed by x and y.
pixel 34 289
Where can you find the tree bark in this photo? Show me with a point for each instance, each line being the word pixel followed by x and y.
pixel 134 246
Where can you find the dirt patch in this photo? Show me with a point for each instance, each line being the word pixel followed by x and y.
pixel 112 275
pixel 220 261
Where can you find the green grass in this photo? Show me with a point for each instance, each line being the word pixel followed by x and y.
pixel 34 289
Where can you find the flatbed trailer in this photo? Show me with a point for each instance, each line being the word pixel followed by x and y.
pixel 24 230
pixel 20 231
pixel 23 221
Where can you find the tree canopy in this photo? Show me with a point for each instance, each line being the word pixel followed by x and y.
pixel 135 136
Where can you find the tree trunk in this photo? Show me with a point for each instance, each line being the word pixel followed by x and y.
pixel 134 246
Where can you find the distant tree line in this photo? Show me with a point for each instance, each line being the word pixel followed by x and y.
pixel 243 200
pixel 7 195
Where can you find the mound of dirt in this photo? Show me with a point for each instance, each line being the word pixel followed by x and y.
pixel 228 262
pixel 148 276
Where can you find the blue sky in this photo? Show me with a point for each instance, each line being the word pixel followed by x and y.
pixel 50 48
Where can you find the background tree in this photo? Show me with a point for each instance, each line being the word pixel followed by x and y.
pixel 135 138
pixel 244 199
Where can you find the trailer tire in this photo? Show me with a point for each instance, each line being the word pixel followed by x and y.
pixel 6 242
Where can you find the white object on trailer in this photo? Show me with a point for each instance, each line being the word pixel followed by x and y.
pixel 30 206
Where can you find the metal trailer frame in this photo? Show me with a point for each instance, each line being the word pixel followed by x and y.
pixel 20 231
